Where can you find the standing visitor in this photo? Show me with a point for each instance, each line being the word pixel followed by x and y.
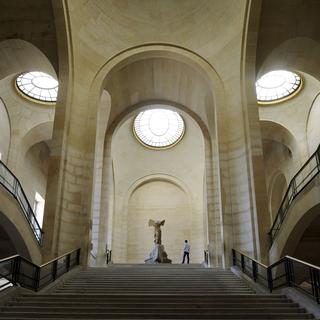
pixel 186 251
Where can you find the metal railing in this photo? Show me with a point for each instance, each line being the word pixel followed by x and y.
pixel 302 178
pixel 16 270
pixel 287 272
pixel 11 183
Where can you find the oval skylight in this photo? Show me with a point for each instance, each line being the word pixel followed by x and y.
pixel 158 128
pixel 38 86
pixel 276 86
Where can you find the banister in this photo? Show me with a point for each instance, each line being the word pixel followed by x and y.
pixel 8 258
pixel 287 271
pixel 244 254
pixel 303 262
pixel 36 277
pixel 58 258
pixel 293 191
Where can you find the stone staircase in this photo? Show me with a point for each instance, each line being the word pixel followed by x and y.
pixel 152 292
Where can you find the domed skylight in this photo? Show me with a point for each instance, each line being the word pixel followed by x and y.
pixel 158 128
pixel 38 86
pixel 276 86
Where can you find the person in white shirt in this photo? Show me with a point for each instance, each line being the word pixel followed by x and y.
pixel 186 251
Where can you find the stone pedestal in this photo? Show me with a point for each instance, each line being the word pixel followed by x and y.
pixel 157 255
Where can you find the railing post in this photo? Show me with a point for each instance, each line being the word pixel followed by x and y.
pixel 242 263
pixel 234 258
pixel 294 188
pixel 315 282
pixel 54 269
pixel 16 270
pixel 78 257
pixel 68 262
pixel 270 279
pixel 289 271
pixel 254 270
pixel 37 278
pixel 15 187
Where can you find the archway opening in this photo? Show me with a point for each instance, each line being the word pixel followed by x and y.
pixel 162 200
pixel 303 241
pixel 11 241
pixel 308 247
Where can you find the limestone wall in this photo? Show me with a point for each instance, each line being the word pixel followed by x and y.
pixel 208 36
pixel 158 198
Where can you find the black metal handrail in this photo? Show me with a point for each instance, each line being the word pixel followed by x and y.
pixel 302 178
pixel 12 184
pixel 18 270
pixel 287 272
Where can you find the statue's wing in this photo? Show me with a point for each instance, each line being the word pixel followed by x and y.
pixel 151 223
pixel 162 222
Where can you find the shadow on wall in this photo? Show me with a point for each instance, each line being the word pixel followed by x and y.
pixel 11 241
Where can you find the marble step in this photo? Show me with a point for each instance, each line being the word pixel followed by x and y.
pixel 181 315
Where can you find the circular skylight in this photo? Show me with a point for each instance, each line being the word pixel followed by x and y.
pixel 38 86
pixel 276 86
pixel 158 128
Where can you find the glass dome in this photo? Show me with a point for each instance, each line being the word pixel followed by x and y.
pixel 276 86
pixel 38 86
pixel 158 128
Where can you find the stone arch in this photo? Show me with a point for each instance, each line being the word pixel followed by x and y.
pixel 105 205
pixel 158 50
pixel 312 127
pixel 39 133
pixel 169 185
pixel 292 247
pixel 277 189
pixel 17 227
pixel 196 62
pixel 12 240
pixel 281 150
pixel 302 211
pixel 19 55
pixel 275 131
pixel 300 54
pixel 158 177
pixel 5 132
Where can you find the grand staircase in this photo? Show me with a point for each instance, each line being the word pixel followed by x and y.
pixel 152 292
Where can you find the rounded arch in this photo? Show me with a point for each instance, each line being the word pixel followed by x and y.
pixel 277 189
pixel 274 131
pixel 144 105
pixel 310 219
pixel 158 177
pixel 301 212
pixel 161 197
pixel 173 53
pixel 19 55
pixel 300 54
pixel 147 51
pixel 312 126
pixel 18 229
pixel 39 133
pixel 5 132
pixel 12 241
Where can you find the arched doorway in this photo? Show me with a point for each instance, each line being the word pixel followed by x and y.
pixel 162 200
